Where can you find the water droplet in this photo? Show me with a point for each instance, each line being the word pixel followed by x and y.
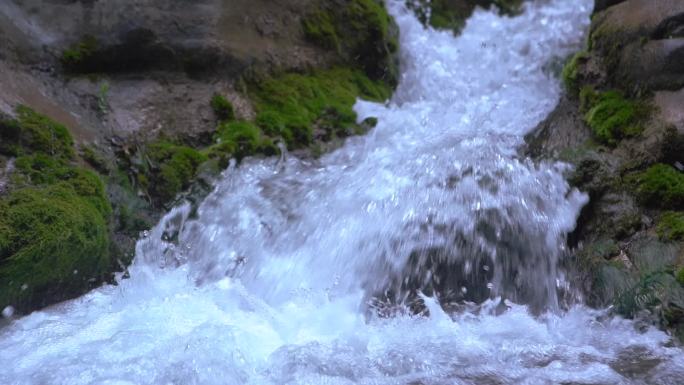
pixel 464 290
pixel 485 268
pixel 490 286
pixel 24 287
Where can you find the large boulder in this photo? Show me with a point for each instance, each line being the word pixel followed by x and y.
pixel 637 40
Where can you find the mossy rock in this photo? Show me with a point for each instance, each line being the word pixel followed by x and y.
pixel 660 186
pixel 54 236
pixel 223 109
pixel 238 140
pixel 172 168
pixel 291 105
pixel 54 245
pixel 671 226
pixel 32 132
pixel 612 117
pixel 570 74
pixel 361 32
pixel 452 14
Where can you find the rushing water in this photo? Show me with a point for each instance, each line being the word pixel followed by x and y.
pixel 299 272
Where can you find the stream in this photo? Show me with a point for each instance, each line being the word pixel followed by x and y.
pixel 428 251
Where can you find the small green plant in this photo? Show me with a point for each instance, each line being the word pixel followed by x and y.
pixel 222 108
pixel 661 185
pixel 671 226
pixel 612 117
pixel 103 98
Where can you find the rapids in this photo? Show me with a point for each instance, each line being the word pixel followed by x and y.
pixel 279 276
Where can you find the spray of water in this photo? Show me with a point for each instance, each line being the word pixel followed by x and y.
pixel 285 273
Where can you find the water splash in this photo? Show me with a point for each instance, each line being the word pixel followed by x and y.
pixel 269 284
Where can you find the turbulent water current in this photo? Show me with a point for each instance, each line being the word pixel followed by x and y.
pixel 425 252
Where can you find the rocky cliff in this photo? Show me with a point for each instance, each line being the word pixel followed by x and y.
pixel 621 124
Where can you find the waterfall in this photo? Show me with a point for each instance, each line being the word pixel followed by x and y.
pixel 425 252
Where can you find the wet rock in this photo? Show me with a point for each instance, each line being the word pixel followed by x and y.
pixel 600 5
pixel 656 64
pixel 634 23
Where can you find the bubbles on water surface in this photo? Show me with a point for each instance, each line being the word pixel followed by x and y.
pixel 269 283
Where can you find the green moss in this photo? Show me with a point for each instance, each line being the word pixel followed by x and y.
pixel 80 53
pixel 680 276
pixel 240 139
pixel 291 105
pixel 452 14
pixel 319 28
pixel 661 186
pixel 570 72
pixel 54 238
pixel 172 168
pixel 42 170
pixel 222 108
pixel 671 226
pixel 361 34
pixel 54 241
pixel 32 132
pixel 612 117
pixel 609 42
pixel 94 159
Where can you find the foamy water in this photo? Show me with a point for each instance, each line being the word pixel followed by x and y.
pixel 270 283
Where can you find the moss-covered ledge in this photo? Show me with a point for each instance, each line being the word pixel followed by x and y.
pixel 54 235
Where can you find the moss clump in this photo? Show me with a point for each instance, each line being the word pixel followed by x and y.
pixel 319 27
pixel 452 14
pixel 172 168
pixel 680 276
pixel 238 140
pixel 360 32
pixel 292 105
pixel 223 109
pixel 94 159
pixel 54 242
pixel 671 226
pixel 570 72
pixel 662 186
pixel 78 55
pixel 612 117
pixel 32 132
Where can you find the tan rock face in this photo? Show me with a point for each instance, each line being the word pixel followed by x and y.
pixel 164 60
